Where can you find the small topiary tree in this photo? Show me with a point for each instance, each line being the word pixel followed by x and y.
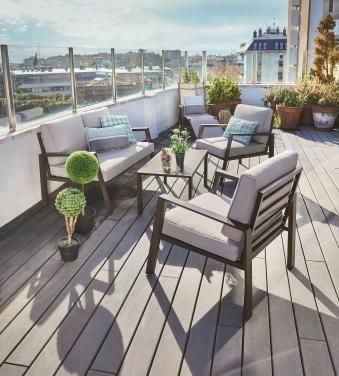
pixel 82 167
pixel 70 202
pixel 326 52
pixel 223 89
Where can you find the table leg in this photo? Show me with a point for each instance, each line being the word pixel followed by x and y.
pixel 139 194
pixel 190 188
pixel 165 179
pixel 205 170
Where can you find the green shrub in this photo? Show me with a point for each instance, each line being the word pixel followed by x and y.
pixel 82 167
pixel 70 202
pixel 190 76
pixel 223 89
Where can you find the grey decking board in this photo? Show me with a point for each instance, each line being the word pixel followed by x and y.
pixel 12 370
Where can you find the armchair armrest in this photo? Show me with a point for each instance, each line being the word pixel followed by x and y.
pixel 251 134
pixel 226 174
pixel 147 132
pixel 205 212
pixel 203 126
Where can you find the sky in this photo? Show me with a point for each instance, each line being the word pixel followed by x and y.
pixel 192 25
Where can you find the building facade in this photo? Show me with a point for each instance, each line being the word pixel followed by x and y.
pixel 303 19
pixel 264 56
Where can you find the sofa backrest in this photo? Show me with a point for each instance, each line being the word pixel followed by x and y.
pixel 91 119
pixel 261 115
pixel 64 136
pixel 254 180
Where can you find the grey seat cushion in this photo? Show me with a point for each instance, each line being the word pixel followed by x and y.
pixel 199 231
pixel 261 115
pixel 217 146
pixel 197 119
pixel 257 178
pixel 91 119
pixel 114 162
pixel 63 136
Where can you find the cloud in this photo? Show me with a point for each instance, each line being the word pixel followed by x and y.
pixel 168 24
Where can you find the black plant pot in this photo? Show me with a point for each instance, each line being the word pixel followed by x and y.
pixel 180 161
pixel 85 223
pixel 69 252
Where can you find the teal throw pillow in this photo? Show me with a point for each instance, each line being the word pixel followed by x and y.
pixel 236 125
pixel 119 120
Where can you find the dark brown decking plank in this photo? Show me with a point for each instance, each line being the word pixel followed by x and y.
pixel 15 303
pixel 92 372
pixel 173 339
pixel 198 355
pixel 96 249
pixel 316 358
pixel 11 370
pixel 48 323
pixel 256 331
pixel 285 346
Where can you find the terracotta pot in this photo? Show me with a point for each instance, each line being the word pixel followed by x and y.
pixel 324 117
pixel 289 116
pixel 306 119
pixel 224 105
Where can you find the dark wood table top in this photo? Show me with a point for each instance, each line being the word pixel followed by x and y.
pixel 193 159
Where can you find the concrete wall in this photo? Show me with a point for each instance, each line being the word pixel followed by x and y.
pixel 19 169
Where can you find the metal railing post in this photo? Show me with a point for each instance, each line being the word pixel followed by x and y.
pixel 8 88
pixel 186 60
pixel 142 73
pixel 73 80
pixel 204 68
pixel 180 72
pixel 163 69
pixel 114 91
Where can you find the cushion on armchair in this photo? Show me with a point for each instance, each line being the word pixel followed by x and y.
pixel 194 104
pixel 102 139
pixel 117 120
pixel 236 125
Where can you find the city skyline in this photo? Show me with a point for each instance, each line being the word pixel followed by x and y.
pixel 193 25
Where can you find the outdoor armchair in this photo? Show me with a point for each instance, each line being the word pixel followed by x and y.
pixel 235 230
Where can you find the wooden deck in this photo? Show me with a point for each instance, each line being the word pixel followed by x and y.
pixel 101 314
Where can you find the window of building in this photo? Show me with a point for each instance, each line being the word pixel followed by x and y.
pixel 255 46
pixel 265 46
pixel 330 6
pixel 276 46
pixel 260 46
pixel 281 45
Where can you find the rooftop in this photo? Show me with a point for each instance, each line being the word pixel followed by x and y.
pixel 102 315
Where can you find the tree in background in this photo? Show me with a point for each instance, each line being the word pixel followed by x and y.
pixel 326 52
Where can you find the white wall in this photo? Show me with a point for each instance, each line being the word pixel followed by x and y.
pixel 19 165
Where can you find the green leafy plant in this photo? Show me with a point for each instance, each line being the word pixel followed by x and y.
pixel 70 202
pixel 309 88
pixel 326 52
pixel 179 141
pixel 293 99
pixel 223 89
pixel 190 76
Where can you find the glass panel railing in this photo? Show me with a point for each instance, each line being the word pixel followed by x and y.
pixel 4 128
pixel 41 82
pixel 153 70
pixel 128 73
pixel 93 75
pixel 172 68
pixel 221 64
pixel 195 65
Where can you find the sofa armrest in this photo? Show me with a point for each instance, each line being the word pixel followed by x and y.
pixel 55 154
pixel 147 132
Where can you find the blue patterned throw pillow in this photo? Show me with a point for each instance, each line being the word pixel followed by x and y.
pixel 102 139
pixel 236 125
pixel 119 120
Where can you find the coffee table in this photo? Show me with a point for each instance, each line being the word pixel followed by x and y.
pixel 193 159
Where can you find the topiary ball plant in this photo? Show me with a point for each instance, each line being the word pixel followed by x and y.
pixel 82 167
pixel 70 202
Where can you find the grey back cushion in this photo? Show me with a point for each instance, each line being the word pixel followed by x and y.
pixel 255 179
pixel 91 119
pixel 63 136
pixel 260 115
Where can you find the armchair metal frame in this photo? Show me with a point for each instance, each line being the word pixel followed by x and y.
pixel 269 148
pixel 257 234
pixel 46 175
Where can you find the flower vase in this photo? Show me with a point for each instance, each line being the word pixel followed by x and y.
pixel 180 161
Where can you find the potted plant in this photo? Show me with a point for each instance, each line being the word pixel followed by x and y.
pixel 223 94
pixel 70 202
pixel 82 167
pixel 289 108
pixel 179 146
pixel 270 99
pixel 308 88
pixel 190 76
pixel 326 110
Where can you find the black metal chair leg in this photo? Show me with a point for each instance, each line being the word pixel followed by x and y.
pixel 105 193
pixel 43 180
pixel 291 235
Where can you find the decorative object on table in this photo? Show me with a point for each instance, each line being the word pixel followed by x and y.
pixel 82 168
pixel 165 159
pixel 224 117
pixel 70 202
pixel 179 146
pixel 223 94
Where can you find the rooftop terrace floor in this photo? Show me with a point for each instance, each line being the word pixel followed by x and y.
pixel 102 315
